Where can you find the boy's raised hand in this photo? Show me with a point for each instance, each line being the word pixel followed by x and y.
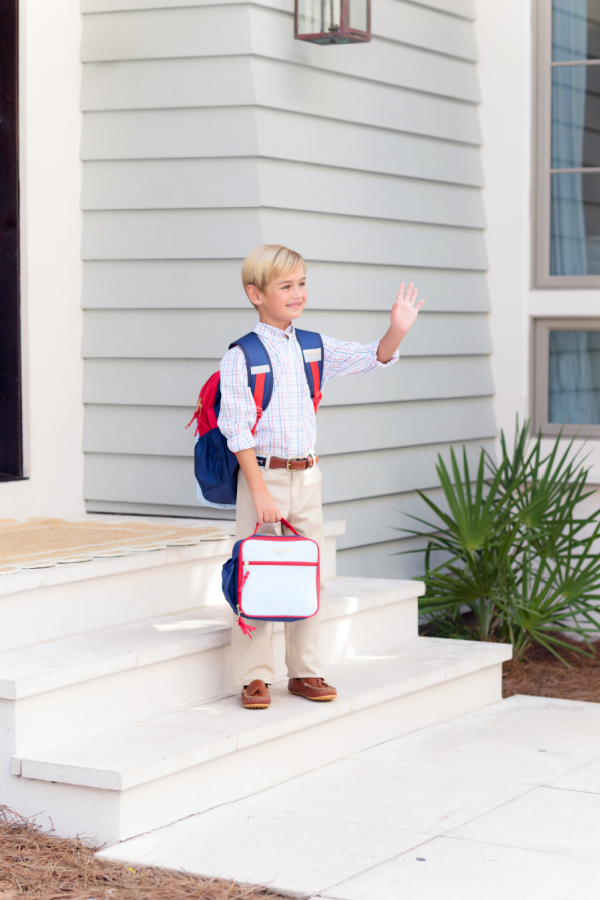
pixel 405 309
pixel 404 313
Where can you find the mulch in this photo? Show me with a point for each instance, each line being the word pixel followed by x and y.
pixel 39 866
pixel 541 674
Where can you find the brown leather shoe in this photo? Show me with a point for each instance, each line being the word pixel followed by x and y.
pixel 312 688
pixel 256 695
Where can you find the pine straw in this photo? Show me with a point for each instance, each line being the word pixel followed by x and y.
pixel 39 866
pixel 541 674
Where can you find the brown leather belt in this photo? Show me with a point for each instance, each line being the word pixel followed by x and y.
pixel 290 464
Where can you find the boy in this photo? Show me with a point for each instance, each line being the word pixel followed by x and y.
pixel 278 475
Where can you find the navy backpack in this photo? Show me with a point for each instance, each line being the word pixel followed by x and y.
pixel 215 466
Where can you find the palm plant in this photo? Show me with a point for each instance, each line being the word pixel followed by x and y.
pixel 518 558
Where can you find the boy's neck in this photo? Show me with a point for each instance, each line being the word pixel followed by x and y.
pixel 274 323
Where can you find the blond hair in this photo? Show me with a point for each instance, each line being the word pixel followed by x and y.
pixel 267 262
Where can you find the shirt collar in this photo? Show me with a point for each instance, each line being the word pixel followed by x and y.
pixel 269 331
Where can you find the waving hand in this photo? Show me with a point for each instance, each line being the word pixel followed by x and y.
pixel 404 313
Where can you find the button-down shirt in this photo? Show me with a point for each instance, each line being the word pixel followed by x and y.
pixel 287 428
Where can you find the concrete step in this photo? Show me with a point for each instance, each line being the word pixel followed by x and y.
pixel 145 774
pixel 82 685
pixel 46 604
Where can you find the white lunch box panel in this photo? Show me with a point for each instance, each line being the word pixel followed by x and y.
pixel 278 550
pixel 286 590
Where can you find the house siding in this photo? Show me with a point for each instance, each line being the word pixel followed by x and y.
pixel 209 130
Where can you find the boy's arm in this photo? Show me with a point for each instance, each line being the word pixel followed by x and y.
pixel 350 358
pixel 404 313
pixel 237 417
pixel 265 506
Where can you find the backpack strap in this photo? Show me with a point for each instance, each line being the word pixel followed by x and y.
pixel 311 344
pixel 260 371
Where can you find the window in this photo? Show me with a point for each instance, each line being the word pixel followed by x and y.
pixel 567 376
pixel 11 456
pixel 567 159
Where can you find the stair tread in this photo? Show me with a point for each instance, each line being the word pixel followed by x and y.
pixel 49 665
pixel 153 748
pixel 132 561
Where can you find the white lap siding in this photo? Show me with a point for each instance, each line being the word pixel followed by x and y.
pixel 209 130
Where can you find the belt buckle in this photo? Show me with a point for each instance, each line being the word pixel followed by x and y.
pixel 295 459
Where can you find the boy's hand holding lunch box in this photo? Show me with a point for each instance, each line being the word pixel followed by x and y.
pixel 265 506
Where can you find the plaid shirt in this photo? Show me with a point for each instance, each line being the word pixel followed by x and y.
pixel 287 428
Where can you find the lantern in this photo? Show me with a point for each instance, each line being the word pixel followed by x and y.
pixel 333 21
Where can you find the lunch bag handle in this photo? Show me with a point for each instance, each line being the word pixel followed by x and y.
pixel 283 522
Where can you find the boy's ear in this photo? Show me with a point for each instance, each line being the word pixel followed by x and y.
pixel 254 295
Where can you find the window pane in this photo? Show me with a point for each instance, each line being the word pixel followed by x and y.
pixel 358 14
pixel 317 16
pixel 575 30
pixel 575 225
pixel 574 382
pixel 575 116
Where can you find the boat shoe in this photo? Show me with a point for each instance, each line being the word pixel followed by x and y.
pixel 312 688
pixel 256 695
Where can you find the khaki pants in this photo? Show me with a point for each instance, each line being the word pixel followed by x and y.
pixel 298 498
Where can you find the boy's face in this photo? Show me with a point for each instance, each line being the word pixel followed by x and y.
pixel 282 300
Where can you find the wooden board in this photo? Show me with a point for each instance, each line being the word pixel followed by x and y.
pixel 255 131
pixel 176 382
pixel 168 481
pixel 216 284
pixel 229 233
pixel 226 29
pixel 160 430
pixel 249 182
pixel 207 333
pixel 246 80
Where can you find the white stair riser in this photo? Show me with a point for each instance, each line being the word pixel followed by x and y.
pixel 48 613
pixel 120 815
pixel 7 738
pixel 328 558
pixel 360 632
pixel 74 607
pixel 65 808
pixel 90 707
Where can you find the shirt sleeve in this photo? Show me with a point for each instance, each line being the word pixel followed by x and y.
pixel 237 414
pixel 350 358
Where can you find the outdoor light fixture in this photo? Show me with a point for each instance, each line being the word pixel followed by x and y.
pixel 333 21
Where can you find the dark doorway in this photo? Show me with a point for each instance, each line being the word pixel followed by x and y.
pixel 11 443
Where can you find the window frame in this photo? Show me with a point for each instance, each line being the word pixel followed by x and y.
pixel 541 370
pixel 541 179
pixel 11 443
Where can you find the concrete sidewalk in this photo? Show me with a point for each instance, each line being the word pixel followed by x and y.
pixel 502 803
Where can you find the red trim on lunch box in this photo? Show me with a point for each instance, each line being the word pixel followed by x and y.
pixel 276 562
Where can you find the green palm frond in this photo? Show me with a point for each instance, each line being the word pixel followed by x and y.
pixel 513 548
